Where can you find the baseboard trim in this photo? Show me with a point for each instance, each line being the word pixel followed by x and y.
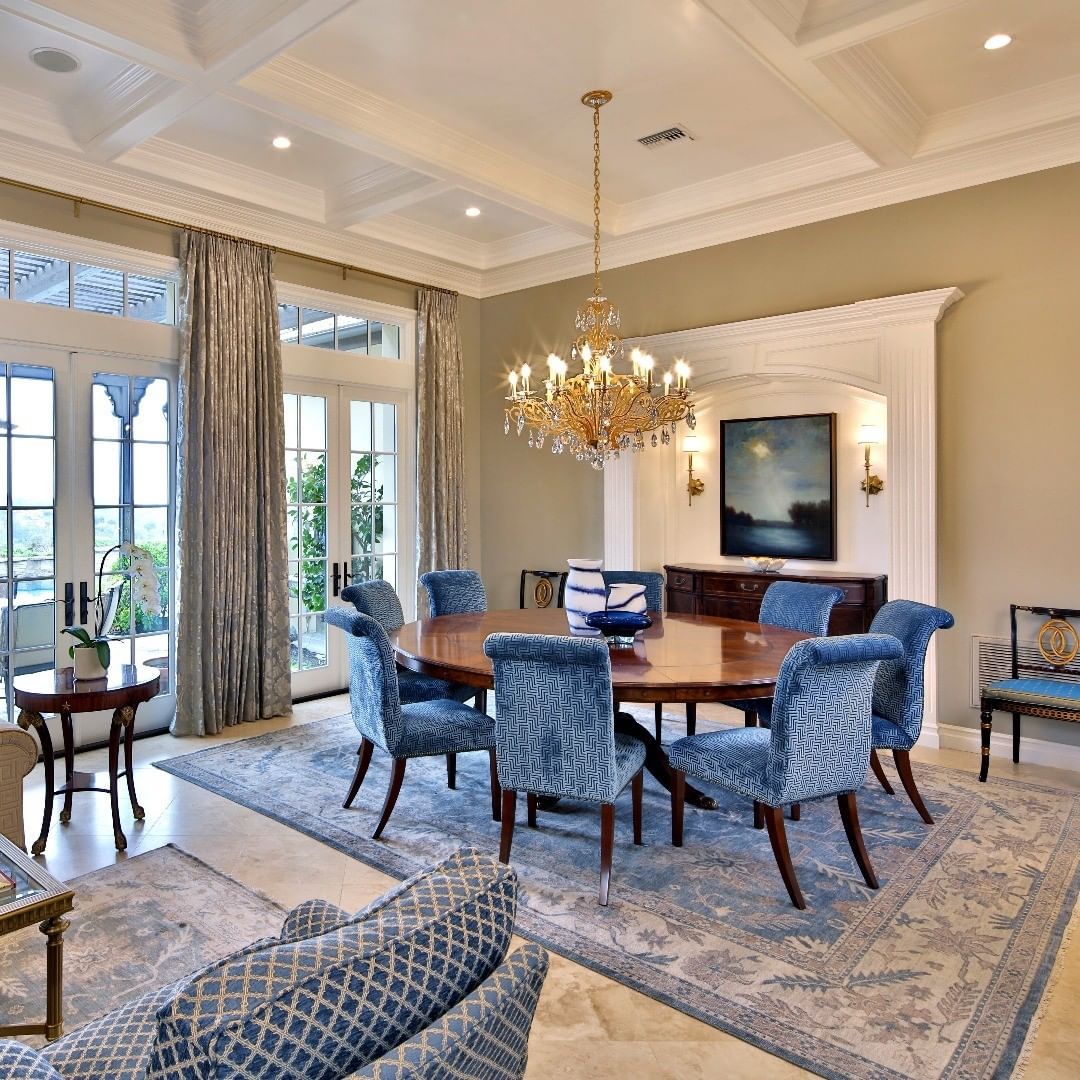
pixel 1032 751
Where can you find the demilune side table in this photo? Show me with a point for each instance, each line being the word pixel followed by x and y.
pixel 123 689
pixel 37 898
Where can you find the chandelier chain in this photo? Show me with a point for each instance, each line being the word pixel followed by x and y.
pixel 596 200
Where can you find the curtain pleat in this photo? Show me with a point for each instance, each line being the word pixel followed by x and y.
pixel 442 537
pixel 233 630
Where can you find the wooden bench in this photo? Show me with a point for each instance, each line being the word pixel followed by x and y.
pixel 1050 688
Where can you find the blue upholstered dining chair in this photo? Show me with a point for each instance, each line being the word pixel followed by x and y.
pixel 899 689
pixel 454 592
pixel 420 729
pixel 555 734
pixel 818 745
pixel 378 599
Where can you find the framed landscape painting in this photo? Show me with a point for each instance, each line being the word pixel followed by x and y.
pixel 778 486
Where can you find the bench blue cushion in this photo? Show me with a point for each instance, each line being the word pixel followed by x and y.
pixel 1053 692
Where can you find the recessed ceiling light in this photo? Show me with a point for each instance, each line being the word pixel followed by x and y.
pixel 472 211
pixel 281 142
pixel 997 41
pixel 55 60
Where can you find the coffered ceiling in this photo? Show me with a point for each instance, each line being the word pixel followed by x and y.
pixel 404 113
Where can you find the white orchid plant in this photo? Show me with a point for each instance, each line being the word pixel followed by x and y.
pixel 142 577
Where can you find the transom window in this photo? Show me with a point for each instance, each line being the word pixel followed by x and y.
pixel 336 330
pixel 66 283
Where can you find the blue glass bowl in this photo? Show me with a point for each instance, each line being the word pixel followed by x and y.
pixel 619 627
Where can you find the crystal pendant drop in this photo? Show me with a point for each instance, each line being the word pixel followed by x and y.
pixel 520 424
pixel 654 439
pixel 506 424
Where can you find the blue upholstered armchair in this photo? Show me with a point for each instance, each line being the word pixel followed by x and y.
pixel 899 691
pixel 418 985
pixel 421 729
pixel 378 599
pixel 555 734
pixel 454 592
pixel 818 745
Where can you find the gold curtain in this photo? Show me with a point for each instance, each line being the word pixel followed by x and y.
pixel 442 540
pixel 233 630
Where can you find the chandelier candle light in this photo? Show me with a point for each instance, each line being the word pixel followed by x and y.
pixel 600 412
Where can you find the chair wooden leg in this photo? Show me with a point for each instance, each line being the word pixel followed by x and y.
pixel 509 811
pixel 691 718
pixel 451 771
pixel 903 767
pixel 637 790
pixel 849 814
pixel 879 772
pixel 986 723
pixel 659 717
pixel 759 816
pixel 796 811
pixel 530 803
pixel 391 795
pixel 1016 738
pixel 750 718
pixel 366 746
pixel 607 845
pixel 480 701
pixel 678 800
pixel 496 791
pixel 774 820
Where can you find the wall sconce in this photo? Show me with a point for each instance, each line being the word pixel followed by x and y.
pixel 870 435
pixel 691 446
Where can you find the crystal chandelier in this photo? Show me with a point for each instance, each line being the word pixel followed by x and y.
pixel 598 413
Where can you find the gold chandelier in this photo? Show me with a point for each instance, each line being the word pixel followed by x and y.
pixel 599 413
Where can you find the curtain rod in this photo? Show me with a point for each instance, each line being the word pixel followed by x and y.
pixel 80 201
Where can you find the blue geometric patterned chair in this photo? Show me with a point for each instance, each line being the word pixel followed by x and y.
pixel 899 692
pixel 555 733
pixel 818 744
pixel 378 599
pixel 416 985
pixel 654 601
pixel 454 592
pixel 422 729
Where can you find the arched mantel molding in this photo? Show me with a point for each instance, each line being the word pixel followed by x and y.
pixel 887 346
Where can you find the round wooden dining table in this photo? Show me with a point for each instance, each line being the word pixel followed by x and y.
pixel 680 658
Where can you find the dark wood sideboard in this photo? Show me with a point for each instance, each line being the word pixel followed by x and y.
pixel 736 593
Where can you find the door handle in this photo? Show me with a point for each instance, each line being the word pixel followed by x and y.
pixel 346 577
pixel 84 603
pixel 69 603
pixel 337 579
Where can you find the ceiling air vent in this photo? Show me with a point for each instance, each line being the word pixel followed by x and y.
pixel 669 135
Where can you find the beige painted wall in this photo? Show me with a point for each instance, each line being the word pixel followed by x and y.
pixel 1009 390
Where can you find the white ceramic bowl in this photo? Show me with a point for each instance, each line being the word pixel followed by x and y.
pixel 764 564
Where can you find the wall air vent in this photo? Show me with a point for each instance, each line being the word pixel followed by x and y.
pixel 677 133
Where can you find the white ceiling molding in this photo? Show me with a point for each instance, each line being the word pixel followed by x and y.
pixel 832 25
pixel 344 111
pixel 382 191
pixel 96 252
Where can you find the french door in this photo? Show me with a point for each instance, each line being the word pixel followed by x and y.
pixel 86 463
pixel 350 491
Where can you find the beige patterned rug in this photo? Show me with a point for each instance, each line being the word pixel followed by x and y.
pixel 137 925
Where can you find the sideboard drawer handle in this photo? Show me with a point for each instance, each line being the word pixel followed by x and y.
pixel 748 586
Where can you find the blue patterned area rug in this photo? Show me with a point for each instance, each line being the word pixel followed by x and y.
pixel 937 974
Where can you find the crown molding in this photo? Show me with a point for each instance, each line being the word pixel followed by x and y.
pixel 384 190
pixel 828 28
pixel 433 241
pixel 97 252
pixel 24 114
pixel 128 94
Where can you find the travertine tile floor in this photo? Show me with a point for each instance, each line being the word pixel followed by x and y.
pixel 588 1027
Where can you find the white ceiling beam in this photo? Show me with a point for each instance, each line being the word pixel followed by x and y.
pixel 863 20
pixel 115 130
pixel 858 117
pixel 349 114
pixel 382 191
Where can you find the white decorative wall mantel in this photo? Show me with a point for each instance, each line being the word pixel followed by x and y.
pixel 885 346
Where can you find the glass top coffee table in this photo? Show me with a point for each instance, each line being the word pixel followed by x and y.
pixel 37 897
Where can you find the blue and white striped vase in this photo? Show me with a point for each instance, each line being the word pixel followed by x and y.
pixel 585 593
pixel 627 597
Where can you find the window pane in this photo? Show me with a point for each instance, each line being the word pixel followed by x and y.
pixel 150 422
pixel 292 421
pixel 106 531
pixel 41 280
pixel 292 476
pixel 99 289
pixel 313 588
pixel 151 531
pixel 32 543
pixel 385 479
pixel 361 478
pixel 153 650
pixel 384 426
pixel 5 263
pixel 313 423
pixel 317 328
pixel 151 299
pixel 106 474
pixel 31 401
pixel 313 487
pixel 313 537
pixel 391 341
pixel 32 482
pixel 385 567
pixel 360 421
pixel 361 530
pixel 106 422
pixel 384 532
pixel 294 588
pixel 151 467
pixel 3 471
pixel 294 643
pixel 313 642
pixel 289 322
pixel 352 334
